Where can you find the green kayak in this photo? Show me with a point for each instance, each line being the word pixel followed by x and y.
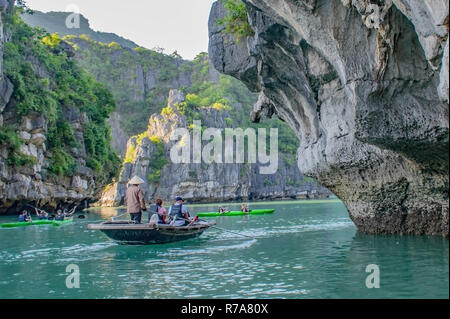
pixel 237 213
pixel 62 222
pixel 37 223
pixel 24 224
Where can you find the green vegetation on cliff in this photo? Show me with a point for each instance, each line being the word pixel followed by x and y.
pixel 158 160
pixel 45 82
pixel 236 20
pixel 139 79
pixel 10 140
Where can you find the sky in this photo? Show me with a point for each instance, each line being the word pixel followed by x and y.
pixel 180 25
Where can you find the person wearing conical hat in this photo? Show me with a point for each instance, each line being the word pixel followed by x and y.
pixel 134 199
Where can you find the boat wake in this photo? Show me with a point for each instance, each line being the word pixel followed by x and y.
pixel 75 252
pixel 210 249
pixel 273 231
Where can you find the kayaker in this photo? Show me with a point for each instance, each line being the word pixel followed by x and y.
pixel 69 214
pixel 244 208
pixel 59 215
pixel 43 215
pixel 134 199
pixel 179 212
pixel 223 210
pixel 24 217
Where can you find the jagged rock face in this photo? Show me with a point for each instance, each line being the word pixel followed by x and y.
pixel 6 88
pixel 204 182
pixel 119 136
pixel 22 185
pixel 364 84
pixel 33 184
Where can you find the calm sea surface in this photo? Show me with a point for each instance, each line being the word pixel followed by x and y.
pixel 305 250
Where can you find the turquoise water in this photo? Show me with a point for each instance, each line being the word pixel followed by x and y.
pixel 304 250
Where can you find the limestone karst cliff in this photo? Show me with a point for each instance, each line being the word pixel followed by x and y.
pixel 140 80
pixel 148 156
pixel 54 141
pixel 364 84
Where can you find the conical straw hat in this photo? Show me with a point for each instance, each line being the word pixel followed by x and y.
pixel 136 181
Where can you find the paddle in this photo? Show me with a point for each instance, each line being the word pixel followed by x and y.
pixel 38 210
pixel 225 230
pixel 229 231
pixel 33 207
pixel 114 217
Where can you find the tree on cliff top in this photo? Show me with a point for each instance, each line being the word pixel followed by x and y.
pixel 236 20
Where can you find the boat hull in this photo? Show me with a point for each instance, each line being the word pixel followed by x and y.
pixel 38 223
pixel 62 222
pixel 25 224
pixel 144 234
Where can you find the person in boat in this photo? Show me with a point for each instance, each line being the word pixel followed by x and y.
pixel 69 214
pixel 179 213
pixel 162 212
pixel 24 217
pixel 223 210
pixel 43 215
pixel 244 209
pixel 134 199
pixel 157 213
pixel 59 215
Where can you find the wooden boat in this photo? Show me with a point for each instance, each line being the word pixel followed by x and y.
pixel 129 233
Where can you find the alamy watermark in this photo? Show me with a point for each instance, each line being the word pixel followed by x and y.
pixel 73 279
pixel 373 280
pixel 73 19
pixel 225 146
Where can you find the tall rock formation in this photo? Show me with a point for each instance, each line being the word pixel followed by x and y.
pixel 364 84
pixel 31 168
pixel 201 182
pixel 6 87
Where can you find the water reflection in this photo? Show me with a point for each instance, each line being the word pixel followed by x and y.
pixel 106 212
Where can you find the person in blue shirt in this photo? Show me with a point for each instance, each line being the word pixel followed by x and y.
pixel 43 215
pixel 24 217
pixel 179 212
pixel 59 215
